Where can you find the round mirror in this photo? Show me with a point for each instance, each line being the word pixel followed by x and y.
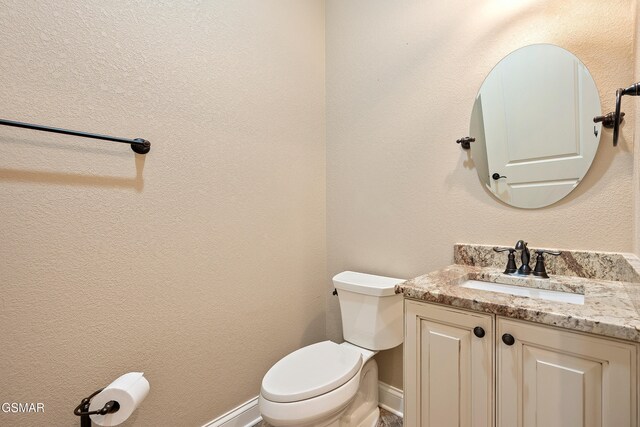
pixel 533 124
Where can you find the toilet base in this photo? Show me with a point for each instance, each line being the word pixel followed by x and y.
pixel 362 411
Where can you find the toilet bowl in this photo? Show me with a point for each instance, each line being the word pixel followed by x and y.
pixel 329 384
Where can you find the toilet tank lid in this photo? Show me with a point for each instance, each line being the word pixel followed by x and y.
pixel 368 284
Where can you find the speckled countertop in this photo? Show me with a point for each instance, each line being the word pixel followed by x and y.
pixel 611 307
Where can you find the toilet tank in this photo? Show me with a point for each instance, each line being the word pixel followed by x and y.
pixel 371 310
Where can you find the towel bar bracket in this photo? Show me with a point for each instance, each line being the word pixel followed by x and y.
pixel 143 148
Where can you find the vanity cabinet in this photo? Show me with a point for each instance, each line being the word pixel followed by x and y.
pixel 552 377
pixel 543 376
pixel 448 363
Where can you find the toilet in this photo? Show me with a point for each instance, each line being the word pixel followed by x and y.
pixel 327 384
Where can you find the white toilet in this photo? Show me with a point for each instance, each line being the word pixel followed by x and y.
pixel 329 384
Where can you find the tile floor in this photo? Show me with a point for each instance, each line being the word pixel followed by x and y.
pixel 387 419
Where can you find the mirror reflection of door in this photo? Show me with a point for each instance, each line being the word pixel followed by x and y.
pixel 535 111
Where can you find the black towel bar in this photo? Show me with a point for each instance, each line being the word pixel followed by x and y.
pixel 139 145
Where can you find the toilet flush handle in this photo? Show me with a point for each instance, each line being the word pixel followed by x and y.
pixel 335 291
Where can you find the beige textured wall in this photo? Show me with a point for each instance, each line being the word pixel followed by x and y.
pixel 636 138
pixel 401 80
pixel 200 264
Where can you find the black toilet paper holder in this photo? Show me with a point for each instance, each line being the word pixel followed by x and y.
pixel 82 410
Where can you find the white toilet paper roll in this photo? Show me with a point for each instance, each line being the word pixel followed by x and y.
pixel 129 391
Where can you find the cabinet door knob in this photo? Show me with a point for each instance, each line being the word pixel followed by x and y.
pixel 478 331
pixel 508 339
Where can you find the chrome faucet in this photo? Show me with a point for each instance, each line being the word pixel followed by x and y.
pixel 525 257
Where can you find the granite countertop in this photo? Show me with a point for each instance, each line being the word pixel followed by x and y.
pixel 611 307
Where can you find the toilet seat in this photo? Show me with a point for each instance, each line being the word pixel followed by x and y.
pixel 310 372
pixel 309 411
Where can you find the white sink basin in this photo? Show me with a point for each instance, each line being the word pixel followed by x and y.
pixel 523 291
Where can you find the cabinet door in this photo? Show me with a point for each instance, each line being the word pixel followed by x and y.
pixel 554 378
pixel 448 370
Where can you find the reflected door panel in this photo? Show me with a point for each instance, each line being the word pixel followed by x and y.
pixel 534 121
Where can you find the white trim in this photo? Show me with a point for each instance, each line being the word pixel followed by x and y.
pixel 245 415
pixel 390 398
pixel 248 414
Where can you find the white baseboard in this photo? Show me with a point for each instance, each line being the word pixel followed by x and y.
pixel 245 415
pixel 390 398
pixel 248 414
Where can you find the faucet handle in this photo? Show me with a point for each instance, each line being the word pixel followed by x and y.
pixel 511 262
pixel 540 269
pixel 544 251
